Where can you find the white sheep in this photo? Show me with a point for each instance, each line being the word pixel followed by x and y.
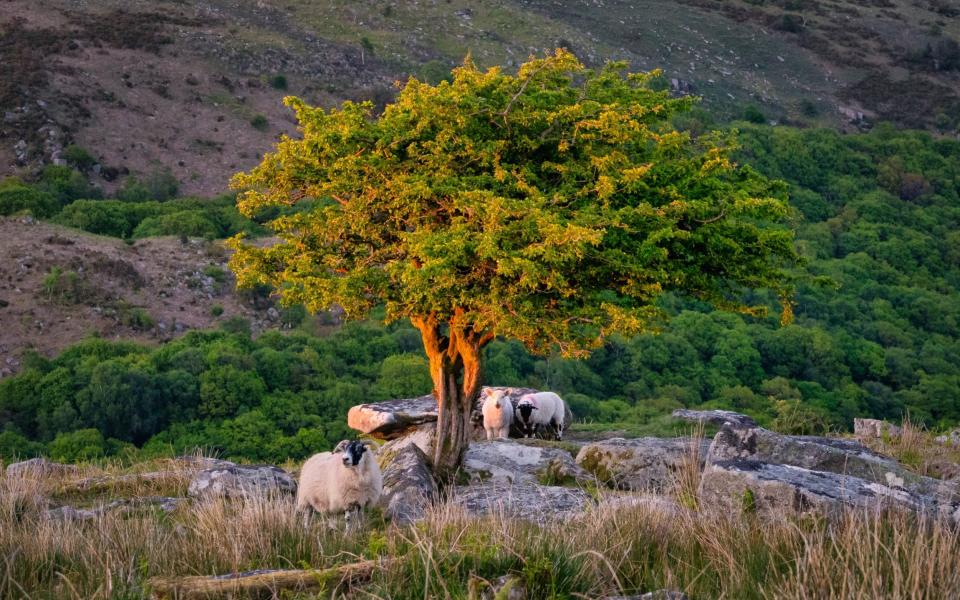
pixel 497 413
pixel 345 480
pixel 542 408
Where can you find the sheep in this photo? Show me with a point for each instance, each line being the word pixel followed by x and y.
pixel 345 480
pixel 497 413
pixel 550 410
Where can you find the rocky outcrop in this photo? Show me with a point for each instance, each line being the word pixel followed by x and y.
pixel 869 429
pixel 715 417
pixel 238 481
pixel 842 457
pixel 950 439
pixel 38 467
pixel 642 464
pixel 515 462
pixel 408 484
pixel 747 485
pixel 527 501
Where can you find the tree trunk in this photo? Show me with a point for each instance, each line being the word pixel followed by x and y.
pixel 455 370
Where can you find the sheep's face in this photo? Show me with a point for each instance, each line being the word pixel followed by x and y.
pixel 496 398
pixel 352 453
pixel 526 408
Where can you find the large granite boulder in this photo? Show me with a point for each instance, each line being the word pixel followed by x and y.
pixel 239 481
pixel 843 457
pixel 38 467
pixel 641 464
pixel 527 501
pixel 420 436
pixel 504 461
pixel 408 484
pixel 748 485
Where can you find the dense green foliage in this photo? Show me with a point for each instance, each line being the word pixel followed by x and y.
pixel 879 215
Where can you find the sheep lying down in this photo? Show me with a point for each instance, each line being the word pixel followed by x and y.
pixel 343 481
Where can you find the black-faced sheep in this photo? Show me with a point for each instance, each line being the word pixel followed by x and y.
pixel 345 480
pixel 497 414
pixel 542 408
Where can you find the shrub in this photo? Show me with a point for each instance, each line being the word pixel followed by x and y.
pixel 83 444
pixel 137 318
pixel 259 122
pixel 278 82
pixel 753 114
pixel 67 185
pixel 216 310
pixel 79 158
pixel 14 446
pixel 159 185
pixel 16 196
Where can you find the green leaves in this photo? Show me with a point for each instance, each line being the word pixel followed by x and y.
pixel 553 206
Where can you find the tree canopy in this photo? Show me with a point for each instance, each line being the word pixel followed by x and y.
pixel 553 206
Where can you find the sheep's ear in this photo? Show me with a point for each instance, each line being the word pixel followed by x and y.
pixel 342 446
pixel 371 446
pixel 484 392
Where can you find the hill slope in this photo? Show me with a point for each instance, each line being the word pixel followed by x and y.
pixel 194 86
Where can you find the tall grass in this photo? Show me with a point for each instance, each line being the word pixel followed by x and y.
pixel 611 549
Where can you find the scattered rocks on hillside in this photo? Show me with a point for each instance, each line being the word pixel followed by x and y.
pixel 869 429
pixel 527 501
pixel 237 481
pixel 513 462
pixel 715 417
pixel 643 463
pixel 38 467
pixel 408 484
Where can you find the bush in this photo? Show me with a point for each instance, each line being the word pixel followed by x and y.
pixel 159 185
pixel 67 185
pixel 80 445
pixel 259 122
pixel 278 82
pixel 79 158
pixel 753 114
pixel 16 196
pixel 14 446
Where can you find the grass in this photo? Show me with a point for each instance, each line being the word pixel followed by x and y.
pixel 611 549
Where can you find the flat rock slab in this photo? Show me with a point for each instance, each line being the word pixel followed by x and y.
pixel 408 484
pixel 715 417
pixel 38 467
pixel 641 464
pixel 122 506
pixel 843 457
pixel 527 501
pixel 504 461
pixel 391 419
pixel 237 481
pixel 747 485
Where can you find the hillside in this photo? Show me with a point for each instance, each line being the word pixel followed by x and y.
pixel 196 86
pixel 60 285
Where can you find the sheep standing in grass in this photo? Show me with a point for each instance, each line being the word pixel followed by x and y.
pixel 542 408
pixel 497 414
pixel 345 480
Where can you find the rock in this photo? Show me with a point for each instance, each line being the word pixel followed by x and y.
pixel 748 485
pixel 715 417
pixel 408 484
pixel 640 464
pixel 38 467
pixel 420 436
pixel 236 481
pixel 867 429
pixel 951 439
pixel 122 506
pixel 387 420
pixel 202 462
pixel 512 462
pixel 527 501
pixel 842 457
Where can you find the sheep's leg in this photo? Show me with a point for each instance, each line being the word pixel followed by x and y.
pixel 489 434
pixel 352 516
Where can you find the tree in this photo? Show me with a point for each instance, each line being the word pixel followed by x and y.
pixel 554 206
